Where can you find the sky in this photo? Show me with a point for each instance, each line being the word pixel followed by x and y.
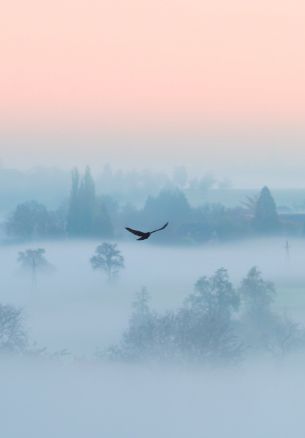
pixel 152 81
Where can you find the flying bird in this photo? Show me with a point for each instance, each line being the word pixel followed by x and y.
pixel 145 235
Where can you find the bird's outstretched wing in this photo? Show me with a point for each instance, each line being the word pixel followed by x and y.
pixel 160 229
pixel 136 232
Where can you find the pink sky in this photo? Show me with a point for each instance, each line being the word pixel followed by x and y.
pixel 160 61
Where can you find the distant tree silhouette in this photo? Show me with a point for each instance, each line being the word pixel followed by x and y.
pixel 86 203
pixel 81 204
pixel 34 261
pixel 102 225
pixel 29 220
pixel 109 259
pixel 265 219
pixel 73 227
pixel 32 220
pixel 87 214
pixel 169 206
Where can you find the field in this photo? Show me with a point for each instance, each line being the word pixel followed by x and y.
pixel 75 309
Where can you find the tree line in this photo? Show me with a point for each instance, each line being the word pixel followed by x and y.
pixel 87 214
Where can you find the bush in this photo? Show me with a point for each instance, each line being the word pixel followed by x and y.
pixel 13 337
pixel 201 330
pixel 210 327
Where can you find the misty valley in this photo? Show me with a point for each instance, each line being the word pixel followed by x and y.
pixel 162 332
pixel 152 219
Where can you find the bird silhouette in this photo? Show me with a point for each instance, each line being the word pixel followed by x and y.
pixel 145 235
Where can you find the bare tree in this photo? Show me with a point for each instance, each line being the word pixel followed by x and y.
pixel 108 258
pixel 34 261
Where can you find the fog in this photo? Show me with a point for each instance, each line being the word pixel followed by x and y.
pixel 79 401
pixel 152 219
pixel 76 309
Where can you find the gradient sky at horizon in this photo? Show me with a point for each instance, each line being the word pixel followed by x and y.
pixel 138 66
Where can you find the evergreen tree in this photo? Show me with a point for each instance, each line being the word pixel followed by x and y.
pixel 86 203
pixel 81 205
pixel 102 226
pixel 266 219
pixel 73 212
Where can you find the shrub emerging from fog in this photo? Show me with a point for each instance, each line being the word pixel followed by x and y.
pixel 217 323
pixel 108 259
pixel 257 293
pixel 141 336
pixel 206 320
pixel 215 296
pixel 202 329
pixel 261 328
pixel 34 261
pixel 13 337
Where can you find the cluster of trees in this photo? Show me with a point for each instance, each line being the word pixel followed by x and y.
pixel 216 323
pixel 258 216
pixel 48 185
pixel 85 214
pixel 32 220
